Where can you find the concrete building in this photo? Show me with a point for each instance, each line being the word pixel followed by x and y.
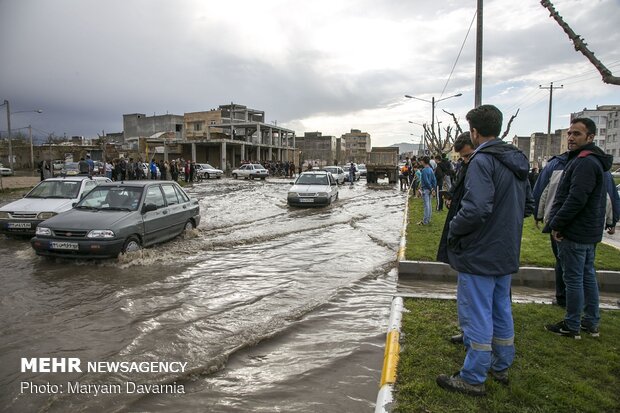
pixel 232 133
pixel 523 143
pixel 600 117
pixel 541 150
pixel 613 135
pixel 317 149
pixel 357 146
pixel 136 125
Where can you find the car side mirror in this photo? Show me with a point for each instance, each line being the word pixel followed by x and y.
pixel 148 207
pixel 292 183
pixel 73 205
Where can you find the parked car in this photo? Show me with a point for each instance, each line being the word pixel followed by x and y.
pixel 206 171
pixel 313 188
pixel 70 169
pixel 346 168
pixel 117 218
pixel 4 171
pixel 251 171
pixel 337 172
pixel 362 169
pixel 48 198
pixel 146 169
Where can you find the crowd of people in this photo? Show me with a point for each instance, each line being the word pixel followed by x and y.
pixel 276 168
pixel 488 200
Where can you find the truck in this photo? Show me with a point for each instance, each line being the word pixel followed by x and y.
pixel 382 162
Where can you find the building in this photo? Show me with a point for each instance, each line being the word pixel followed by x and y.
pixel 541 149
pixel 523 143
pixel 222 137
pixel 316 149
pixel 612 141
pixel 600 118
pixel 357 145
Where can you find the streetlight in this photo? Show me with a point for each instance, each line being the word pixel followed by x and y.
pixel 433 102
pixel 8 124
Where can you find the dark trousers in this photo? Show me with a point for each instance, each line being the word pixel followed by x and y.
pixel 560 287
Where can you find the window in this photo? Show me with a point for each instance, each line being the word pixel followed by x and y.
pixel 197 127
pixel 171 195
pixel 181 194
pixel 178 127
pixel 154 196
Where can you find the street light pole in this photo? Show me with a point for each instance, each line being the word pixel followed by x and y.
pixel 8 125
pixel 433 102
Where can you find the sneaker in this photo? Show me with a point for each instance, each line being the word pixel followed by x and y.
pixel 500 376
pixel 593 331
pixel 561 329
pixel 457 339
pixel 457 384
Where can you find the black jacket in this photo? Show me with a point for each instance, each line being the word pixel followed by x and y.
pixel 456 195
pixel 578 211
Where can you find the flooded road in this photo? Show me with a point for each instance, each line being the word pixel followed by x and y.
pixel 272 309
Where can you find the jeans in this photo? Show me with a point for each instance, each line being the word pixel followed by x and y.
pixel 428 209
pixel 560 288
pixel 485 316
pixel 581 286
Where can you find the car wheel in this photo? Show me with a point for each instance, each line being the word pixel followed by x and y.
pixel 207 176
pixel 189 225
pixel 131 245
pixel 252 177
pixel 234 176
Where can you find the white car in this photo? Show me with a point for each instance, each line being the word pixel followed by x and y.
pixel 48 198
pixel 313 188
pixel 251 171
pixel 4 171
pixel 206 171
pixel 337 172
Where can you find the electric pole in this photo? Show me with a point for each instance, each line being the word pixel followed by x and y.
pixel 550 88
pixel 478 83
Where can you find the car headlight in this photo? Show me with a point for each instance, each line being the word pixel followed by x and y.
pixel 100 233
pixel 322 194
pixel 45 215
pixel 4 215
pixel 293 194
pixel 43 231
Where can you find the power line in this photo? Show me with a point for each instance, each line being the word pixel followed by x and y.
pixel 459 55
pixel 591 71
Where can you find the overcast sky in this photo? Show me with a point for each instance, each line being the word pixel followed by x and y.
pixel 320 65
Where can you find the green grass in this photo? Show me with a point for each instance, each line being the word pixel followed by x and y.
pixel 423 241
pixel 550 373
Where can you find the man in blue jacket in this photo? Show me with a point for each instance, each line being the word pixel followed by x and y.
pixel 484 241
pixel 427 186
pixel 576 222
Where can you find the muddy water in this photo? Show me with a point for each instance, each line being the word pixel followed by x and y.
pixel 272 309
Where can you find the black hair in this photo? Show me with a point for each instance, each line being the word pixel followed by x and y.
pixel 463 140
pixel 588 123
pixel 486 119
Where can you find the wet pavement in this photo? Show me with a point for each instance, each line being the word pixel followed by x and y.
pixel 272 308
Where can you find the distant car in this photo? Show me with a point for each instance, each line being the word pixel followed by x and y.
pixel 250 171
pixel 146 169
pixel 337 172
pixel 346 168
pixel 362 169
pixel 117 218
pixel 313 188
pixel 48 198
pixel 70 169
pixel 206 171
pixel 4 171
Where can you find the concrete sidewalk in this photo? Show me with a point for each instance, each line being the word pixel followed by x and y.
pixel 17 182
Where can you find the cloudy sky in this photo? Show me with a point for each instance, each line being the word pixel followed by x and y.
pixel 320 65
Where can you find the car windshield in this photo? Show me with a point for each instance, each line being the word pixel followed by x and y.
pixel 71 166
pixel 312 179
pixel 207 166
pixel 56 189
pixel 117 198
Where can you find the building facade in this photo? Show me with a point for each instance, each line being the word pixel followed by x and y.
pixel 317 149
pixel 600 118
pixel 612 144
pixel 542 149
pixel 357 145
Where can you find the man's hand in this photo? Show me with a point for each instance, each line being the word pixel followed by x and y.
pixel 556 235
pixel 611 230
pixel 447 201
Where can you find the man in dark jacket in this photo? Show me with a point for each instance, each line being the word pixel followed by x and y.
pixel 484 242
pixel 576 222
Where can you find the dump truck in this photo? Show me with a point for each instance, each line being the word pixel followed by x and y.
pixel 382 162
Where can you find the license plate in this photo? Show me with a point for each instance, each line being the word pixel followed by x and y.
pixel 64 245
pixel 19 224
pixel 306 199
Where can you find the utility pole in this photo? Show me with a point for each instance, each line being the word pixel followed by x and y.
pixel 31 147
pixel 550 88
pixel 478 84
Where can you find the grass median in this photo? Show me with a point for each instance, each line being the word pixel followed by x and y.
pixel 423 240
pixel 550 373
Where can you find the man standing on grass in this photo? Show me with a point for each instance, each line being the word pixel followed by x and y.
pixel 484 241
pixel 427 186
pixel 576 222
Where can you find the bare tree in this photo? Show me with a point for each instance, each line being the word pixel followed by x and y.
pixel 581 46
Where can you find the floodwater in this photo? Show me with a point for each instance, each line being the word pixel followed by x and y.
pixel 273 309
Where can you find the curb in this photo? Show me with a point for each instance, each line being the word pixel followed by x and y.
pixel 392 341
